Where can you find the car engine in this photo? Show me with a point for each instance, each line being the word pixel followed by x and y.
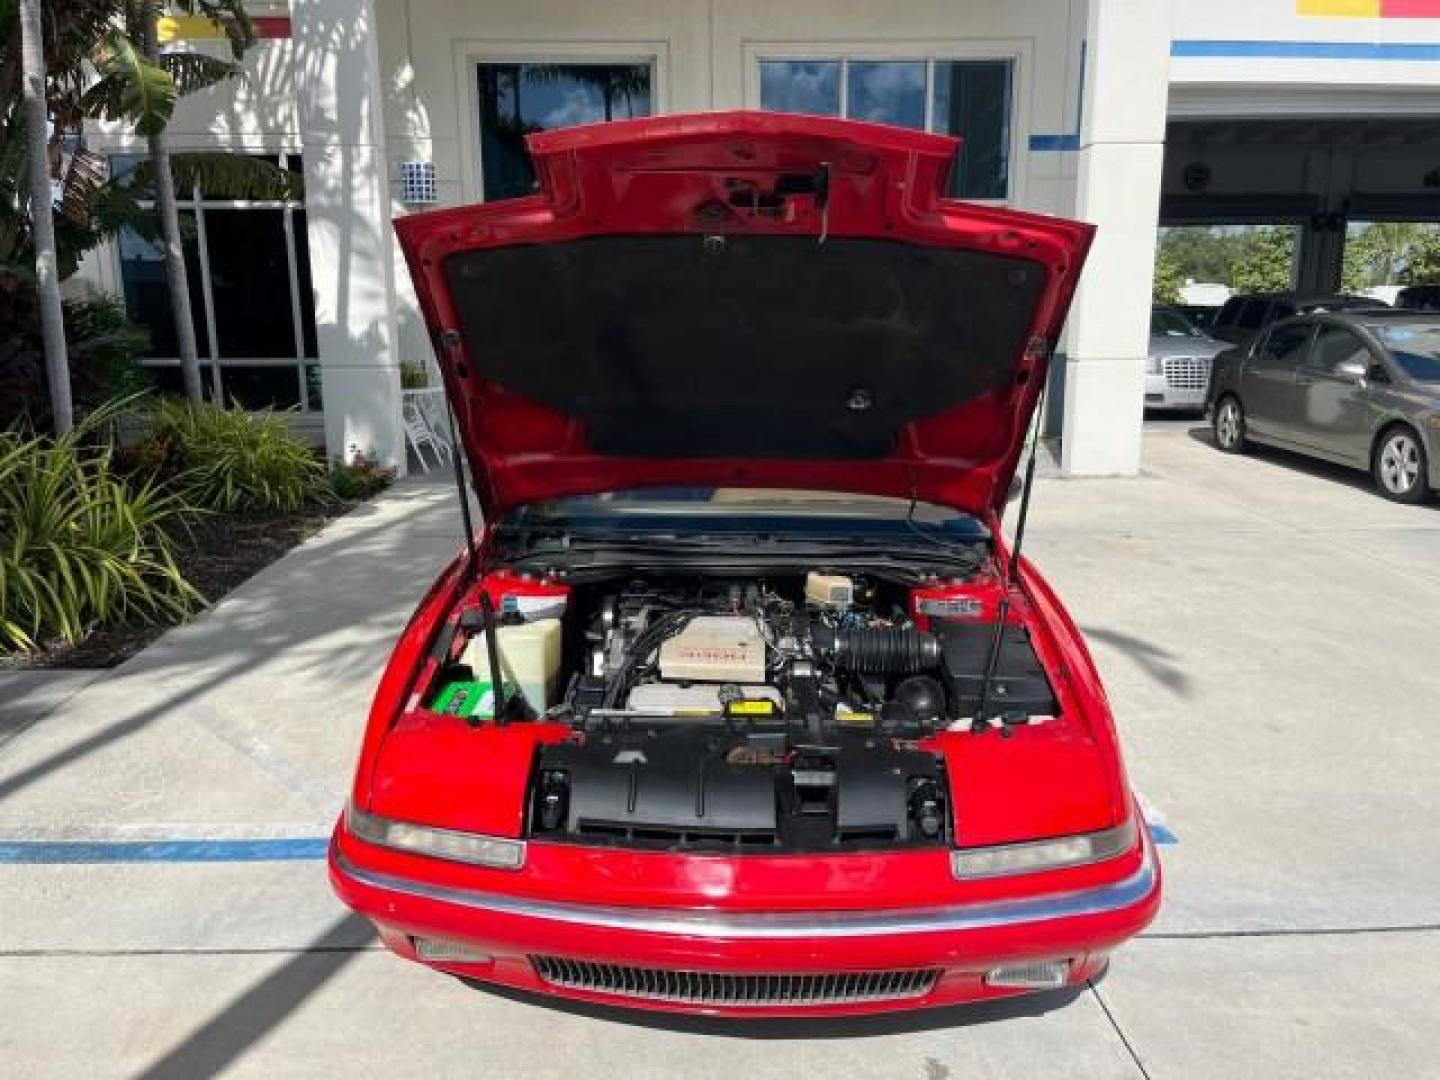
pixel 765 715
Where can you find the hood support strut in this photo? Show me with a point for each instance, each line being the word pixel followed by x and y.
pixel 472 556
pixel 1010 574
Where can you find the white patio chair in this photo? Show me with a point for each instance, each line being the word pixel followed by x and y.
pixel 436 416
pixel 419 434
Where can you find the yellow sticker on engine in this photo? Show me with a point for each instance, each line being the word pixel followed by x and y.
pixel 850 718
pixel 751 707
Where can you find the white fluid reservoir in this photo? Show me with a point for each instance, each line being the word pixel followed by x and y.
pixel 529 658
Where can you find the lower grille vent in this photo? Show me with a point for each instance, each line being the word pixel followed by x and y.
pixel 659 836
pixel 729 988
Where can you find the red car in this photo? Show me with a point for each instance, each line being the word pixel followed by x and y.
pixel 782 728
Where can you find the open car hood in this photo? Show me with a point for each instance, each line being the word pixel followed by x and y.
pixel 743 300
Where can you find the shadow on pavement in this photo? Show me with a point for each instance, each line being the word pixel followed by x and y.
pixel 1294 461
pixel 263 1007
pixel 840 1027
pixel 1170 417
pixel 1160 664
pixel 27 697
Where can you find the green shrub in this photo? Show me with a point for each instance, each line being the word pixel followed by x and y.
pixel 102 339
pixel 361 479
pixel 104 348
pixel 230 460
pixel 79 547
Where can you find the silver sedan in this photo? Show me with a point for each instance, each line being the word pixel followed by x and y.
pixel 1360 388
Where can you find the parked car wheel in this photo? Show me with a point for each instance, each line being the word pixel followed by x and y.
pixel 1230 425
pixel 1399 465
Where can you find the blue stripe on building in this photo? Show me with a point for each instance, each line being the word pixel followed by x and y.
pixel 1306 50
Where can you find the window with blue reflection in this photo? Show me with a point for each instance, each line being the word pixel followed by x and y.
pixel 970 99
pixel 801 86
pixel 887 92
pixel 517 100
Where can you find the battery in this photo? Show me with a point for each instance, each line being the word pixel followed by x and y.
pixel 468 699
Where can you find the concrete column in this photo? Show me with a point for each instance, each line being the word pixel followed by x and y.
pixel 1330 173
pixel 1122 142
pixel 347 197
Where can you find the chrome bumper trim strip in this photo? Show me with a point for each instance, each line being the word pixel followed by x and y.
pixel 772 925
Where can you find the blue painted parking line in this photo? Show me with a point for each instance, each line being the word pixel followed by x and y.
pixel 1161 835
pixel 57 852
pixel 163 851
pixel 1160 830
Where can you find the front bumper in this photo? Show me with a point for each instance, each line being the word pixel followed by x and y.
pixel 1159 394
pixel 962 941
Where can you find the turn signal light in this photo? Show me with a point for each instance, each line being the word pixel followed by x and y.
pixel 1036 975
pixel 466 847
pixel 1037 855
pixel 454 952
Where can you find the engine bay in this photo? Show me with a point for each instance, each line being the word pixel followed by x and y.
pixel 783 712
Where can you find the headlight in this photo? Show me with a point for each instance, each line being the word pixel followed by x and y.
pixel 1154 366
pixel 1028 858
pixel 441 843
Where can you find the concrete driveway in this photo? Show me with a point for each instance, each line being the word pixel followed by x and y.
pixel 1266 628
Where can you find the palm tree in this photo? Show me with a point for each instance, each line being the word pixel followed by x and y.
pixel 47 277
pixel 85 39
pixel 40 241
pixel 613 82
pixel 89 210
pixel 139 84
pixel 176 276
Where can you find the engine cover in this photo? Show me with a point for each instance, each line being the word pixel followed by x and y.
pixel 715 648
pixel 706 787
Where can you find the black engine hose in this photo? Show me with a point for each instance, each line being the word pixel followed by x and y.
pixel 646 642
pixel 879 650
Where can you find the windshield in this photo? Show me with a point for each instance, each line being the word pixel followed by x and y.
pixel 741 527
pixel 1172 324
pixel 693 511
pixel 1416 349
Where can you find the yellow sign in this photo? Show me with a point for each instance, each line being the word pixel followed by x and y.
pixel 1370 9
pixel 172 28
pixel 185 28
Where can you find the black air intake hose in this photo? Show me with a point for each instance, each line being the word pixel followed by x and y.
pixel 880 650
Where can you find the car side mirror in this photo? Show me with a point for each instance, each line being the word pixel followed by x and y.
pixel 1378 374
pixel 1351 370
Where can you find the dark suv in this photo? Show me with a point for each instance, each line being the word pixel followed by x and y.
pixel 1419 298
pixel 1245 314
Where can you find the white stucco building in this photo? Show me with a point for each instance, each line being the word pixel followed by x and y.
pixel 1120 112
